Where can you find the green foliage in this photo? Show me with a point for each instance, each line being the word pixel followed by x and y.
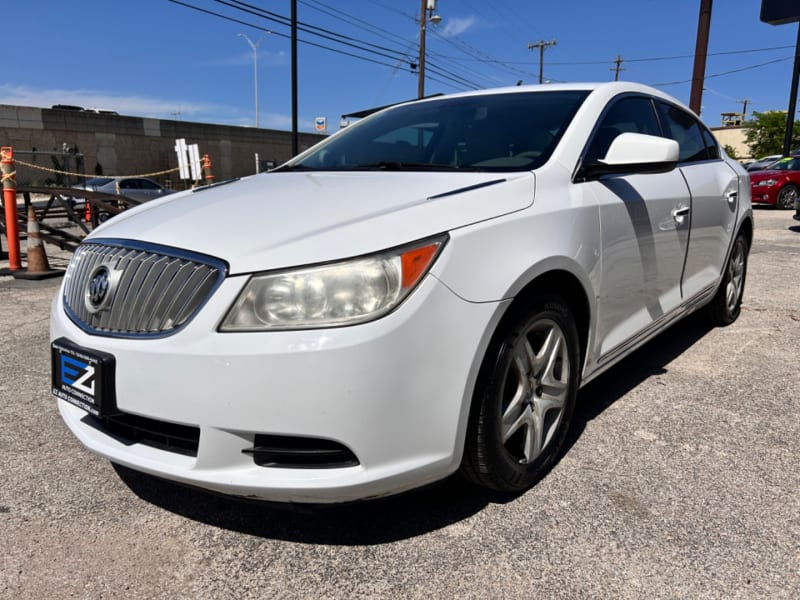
pixel 730 151
pixel 765 132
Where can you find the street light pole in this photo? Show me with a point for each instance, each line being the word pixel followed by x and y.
pixel 254 46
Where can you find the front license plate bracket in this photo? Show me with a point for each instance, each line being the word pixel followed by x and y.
pixel 84 377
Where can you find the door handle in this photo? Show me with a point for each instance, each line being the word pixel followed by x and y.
pixel 731 197
pixel 679 212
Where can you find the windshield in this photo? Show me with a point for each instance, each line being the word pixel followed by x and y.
pixel 98 181
pixel 786 164
pixel 498 132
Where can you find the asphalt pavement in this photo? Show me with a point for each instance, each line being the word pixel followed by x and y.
pixel 680 480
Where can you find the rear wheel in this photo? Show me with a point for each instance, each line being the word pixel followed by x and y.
pixel 524 399
pixel 727 303
pixel 787 195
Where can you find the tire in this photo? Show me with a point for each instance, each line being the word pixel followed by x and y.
pixel 727 303
pixel 524 400
pixel 786 196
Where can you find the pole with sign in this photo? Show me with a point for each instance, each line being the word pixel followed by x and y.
pixel 188 160
pixel 780 12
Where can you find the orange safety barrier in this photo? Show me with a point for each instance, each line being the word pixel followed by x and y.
pixel 10 204
pixel 38 265
pixel 209 176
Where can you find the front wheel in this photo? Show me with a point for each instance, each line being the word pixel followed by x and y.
pixel 786 196
pixel 524 400
pixel 727 303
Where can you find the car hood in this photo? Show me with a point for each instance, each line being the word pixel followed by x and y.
pixel 278 220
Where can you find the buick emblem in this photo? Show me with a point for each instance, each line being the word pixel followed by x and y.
pixel 99 290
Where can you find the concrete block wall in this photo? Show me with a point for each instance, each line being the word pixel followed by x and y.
pixel 123 145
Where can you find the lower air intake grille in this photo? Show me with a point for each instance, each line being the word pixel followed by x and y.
pixel 299 453
pixel 133 429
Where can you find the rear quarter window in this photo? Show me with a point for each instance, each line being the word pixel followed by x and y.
pixel 687 131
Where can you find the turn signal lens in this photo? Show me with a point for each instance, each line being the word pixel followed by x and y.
pixel 415 263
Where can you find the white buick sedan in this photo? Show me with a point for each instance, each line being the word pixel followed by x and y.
pixel 422 293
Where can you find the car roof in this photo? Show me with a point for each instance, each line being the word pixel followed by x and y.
pixel 602 91
pixel 612 87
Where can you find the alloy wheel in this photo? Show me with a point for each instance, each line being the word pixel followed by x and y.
pixel 787 196
pixel 535 391
pixel 733 291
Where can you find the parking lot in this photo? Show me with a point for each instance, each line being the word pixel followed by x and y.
pixel 680 480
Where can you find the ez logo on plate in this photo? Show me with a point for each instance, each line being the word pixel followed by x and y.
pixel 77 374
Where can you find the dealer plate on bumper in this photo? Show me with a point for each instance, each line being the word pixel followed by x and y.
pixel 83 377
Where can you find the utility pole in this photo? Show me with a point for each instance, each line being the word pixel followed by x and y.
pixel 541 45
pixel 700 53
pixel 295 133
pixel 744 102
pixel 618 62
pixel 425 14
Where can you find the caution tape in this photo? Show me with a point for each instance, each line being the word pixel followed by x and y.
pixel 39 167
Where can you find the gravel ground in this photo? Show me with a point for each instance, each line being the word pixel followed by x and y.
pixel 680 480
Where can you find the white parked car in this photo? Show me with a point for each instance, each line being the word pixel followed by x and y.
pixel 421 293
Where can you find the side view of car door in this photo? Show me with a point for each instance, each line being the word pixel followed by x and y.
pixel 645 223
pixel 714 188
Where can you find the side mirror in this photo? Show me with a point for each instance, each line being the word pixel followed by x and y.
pixel 634 153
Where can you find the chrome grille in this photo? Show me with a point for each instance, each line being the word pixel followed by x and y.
pixel 154 290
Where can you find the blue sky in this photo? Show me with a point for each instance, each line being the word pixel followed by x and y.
pixel 159 59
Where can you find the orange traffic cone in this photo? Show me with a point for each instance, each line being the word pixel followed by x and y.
pixel 38 266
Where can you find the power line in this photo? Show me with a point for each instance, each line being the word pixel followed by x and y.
pixel 770 62
pixel 384 33
pixel 460 45
pixel 467 48
pixel 377 54
pixel 310 29
pixel 604 62
pixel 374 49
pixel 283 35
pixel 351 20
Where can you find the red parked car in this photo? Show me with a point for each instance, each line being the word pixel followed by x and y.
pixel 779 185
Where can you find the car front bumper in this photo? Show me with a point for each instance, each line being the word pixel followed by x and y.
pixel 395 392
pixel 765 195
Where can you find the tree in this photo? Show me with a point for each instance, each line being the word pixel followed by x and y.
pixel 731 151
pixel 765 133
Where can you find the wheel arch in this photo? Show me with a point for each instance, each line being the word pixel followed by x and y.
pixel 557 282
pixel 746 227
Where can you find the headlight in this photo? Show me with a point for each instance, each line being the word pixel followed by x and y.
pixel 765 182
pixel 343 293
